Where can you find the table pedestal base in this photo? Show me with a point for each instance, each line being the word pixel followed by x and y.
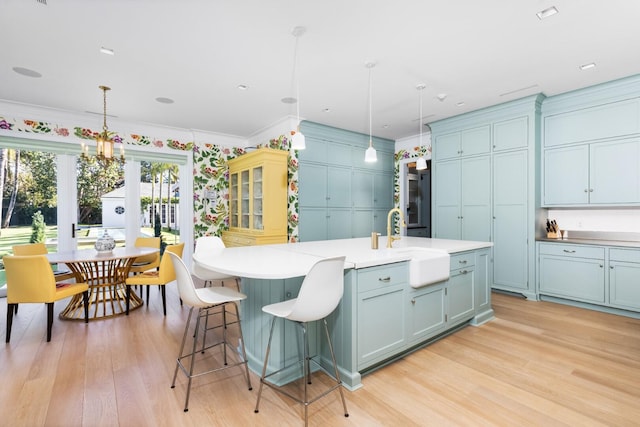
pixel 104 302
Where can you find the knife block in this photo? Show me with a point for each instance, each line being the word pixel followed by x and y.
pixel 552 234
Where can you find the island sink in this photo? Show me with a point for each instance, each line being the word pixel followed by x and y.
pixel 426 266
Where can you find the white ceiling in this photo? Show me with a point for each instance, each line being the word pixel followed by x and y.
pixel 195 52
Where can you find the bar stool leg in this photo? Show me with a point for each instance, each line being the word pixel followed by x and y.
pixel 244 351
pixel 264 368
pixel 335 367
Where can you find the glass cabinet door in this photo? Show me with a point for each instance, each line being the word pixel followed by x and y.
pixel 244 201
pixel 257 198
pixel 233 200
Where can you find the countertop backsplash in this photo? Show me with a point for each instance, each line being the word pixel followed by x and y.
pixel 622 222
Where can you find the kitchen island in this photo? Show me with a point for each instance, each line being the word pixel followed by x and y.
pixel 384 312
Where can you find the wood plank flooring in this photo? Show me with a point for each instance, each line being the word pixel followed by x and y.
pixel 536 364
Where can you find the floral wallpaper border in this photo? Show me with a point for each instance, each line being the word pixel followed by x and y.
pixel 210 171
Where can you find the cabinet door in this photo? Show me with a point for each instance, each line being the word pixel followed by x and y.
pixel 511 134
pixel 447 146
pixel 312 224
pixel 482 281
pixel 362 223
pixel 624 285
pixel 447 200
pixel 362 185
pixel 576 278
pixel 383 191
pixel 314 180
pixel 510 207
pixel 476 199
pixel 566 176
pixel 338 224
pixel 381 324
pixel 338 187
pixel 426 312
pixel 475 141
pixel 614 175
pixel 461 296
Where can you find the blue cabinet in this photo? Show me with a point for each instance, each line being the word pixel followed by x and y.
pixel 468 142
pixel 603 173
pixel 624 278
pixel 341 196
pixel 463 199
pixel 572 271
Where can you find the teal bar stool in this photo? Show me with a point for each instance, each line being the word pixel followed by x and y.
pixel 320 294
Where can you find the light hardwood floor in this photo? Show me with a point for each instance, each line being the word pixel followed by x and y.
pixel 536 364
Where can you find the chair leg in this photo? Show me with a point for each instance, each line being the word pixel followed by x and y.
pixel 128 298
pixel 49 320
pixel 307 372
pixel 193 361
pixel 148 294
pixel 181 355
pixel 163 290
pixel 10 311
pixel 85 298
pixel 16 308
pixel 224 332
pixel 264 368
pixel 335 367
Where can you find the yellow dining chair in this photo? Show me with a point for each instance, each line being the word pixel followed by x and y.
pixel 40 249
pixel 164 275
pixel 146 262
pixel 30 279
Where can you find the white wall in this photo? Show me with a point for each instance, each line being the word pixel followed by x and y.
pixel 618 220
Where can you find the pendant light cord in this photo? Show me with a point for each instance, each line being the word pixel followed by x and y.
pixel 296 79
pixel 370 104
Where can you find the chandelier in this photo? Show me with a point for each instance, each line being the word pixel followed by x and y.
pixel 104 143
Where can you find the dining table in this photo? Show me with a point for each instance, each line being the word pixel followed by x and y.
pixel 105 273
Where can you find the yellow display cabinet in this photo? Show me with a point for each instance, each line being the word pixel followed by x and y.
pixel 257 198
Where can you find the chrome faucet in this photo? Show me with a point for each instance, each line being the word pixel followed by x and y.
pixel 390 237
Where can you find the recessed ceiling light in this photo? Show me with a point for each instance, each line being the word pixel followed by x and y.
pixel 587 66
pixel 460 104
pixel 326 110
pixel 26 72
pixel 550 11
pixel 107 51
pixel 289 100
pixel 163 100
pixel 243 87
pixel 385 126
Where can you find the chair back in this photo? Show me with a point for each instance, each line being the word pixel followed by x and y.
pixel 186 288
pixel 167 273
pixel 148 242
pixel 207 243
pixel 321 291
pixel 30 249
pixel 29 279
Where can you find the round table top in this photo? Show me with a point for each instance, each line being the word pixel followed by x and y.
pixel 90 255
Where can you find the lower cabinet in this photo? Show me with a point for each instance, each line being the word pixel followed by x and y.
pixel 624 279
pixel 393 317
pixel 606 276
pixel 572 271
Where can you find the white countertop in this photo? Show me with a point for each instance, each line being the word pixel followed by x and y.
pixel 287 260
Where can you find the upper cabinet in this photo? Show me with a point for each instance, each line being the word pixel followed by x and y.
pixel 467 142
pixel 257 198
pixel 591 146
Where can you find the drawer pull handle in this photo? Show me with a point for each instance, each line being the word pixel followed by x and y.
pixel 413 300
pixel 384 279
pixel 569 251
pixel 462 261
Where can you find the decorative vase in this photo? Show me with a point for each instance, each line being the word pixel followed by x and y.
pixel 105 243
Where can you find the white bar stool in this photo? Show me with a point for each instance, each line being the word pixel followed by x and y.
pixel 320 294
pixel 204 299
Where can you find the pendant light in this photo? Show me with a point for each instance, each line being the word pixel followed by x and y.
pixel 104 143
pixel 370 154
pixel 421 164
pixel 297 138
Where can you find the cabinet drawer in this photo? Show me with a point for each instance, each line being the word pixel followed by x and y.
pixel 628 255
pixel 231 240
pixel 572 250
pixel 462 260
pixel 384 276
